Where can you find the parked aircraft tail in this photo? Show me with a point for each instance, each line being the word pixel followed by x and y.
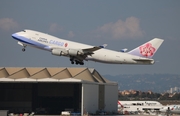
pixel 148 49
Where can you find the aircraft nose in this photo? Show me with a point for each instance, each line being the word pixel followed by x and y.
pixel 14 35
pixel 17 36
pixel 163 110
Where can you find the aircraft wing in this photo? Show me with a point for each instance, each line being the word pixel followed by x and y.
pixel 89 51
pixel 77 55
pixel 73 52
pixel 86 52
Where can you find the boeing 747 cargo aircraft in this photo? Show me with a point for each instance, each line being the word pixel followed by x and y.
pixel 78 52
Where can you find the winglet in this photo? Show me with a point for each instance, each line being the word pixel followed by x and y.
pixel 103 46
pixel 123 50
pixel 148 49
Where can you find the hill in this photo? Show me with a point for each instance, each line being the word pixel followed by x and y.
pixel 155 82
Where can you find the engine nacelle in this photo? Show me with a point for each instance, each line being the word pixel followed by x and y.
pixel 59 52
pixel 64 52
pixel 74 52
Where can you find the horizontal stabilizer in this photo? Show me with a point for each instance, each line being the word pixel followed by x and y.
pixel 145 60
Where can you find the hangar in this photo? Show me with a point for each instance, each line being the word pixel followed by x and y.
pixel 52 90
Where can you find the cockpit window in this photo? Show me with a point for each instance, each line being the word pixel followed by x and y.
pixel 24 30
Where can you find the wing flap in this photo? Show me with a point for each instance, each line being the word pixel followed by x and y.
pixel 90 51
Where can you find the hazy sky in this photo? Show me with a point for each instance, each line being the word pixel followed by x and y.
pixel 119 23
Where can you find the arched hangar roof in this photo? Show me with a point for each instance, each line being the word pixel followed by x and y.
pixel 51 74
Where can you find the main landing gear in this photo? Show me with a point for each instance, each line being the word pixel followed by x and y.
pixel 76 61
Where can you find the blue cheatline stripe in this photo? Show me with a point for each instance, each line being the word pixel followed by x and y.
pixel 28 41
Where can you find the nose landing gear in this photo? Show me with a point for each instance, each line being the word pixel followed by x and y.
pixel 23 49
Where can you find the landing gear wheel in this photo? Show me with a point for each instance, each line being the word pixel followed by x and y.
pixel 77 62
pixel 72 62
pixel 23 49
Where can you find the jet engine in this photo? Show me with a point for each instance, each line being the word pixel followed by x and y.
pixel 59 52
pixel 64 52
pixel 74 52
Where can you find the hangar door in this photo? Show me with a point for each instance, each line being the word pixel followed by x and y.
pixel 41 98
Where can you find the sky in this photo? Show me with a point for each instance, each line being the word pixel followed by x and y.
pixel 118 23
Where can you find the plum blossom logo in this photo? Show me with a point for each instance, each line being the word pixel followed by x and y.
pixel 66 44
pixel 147 50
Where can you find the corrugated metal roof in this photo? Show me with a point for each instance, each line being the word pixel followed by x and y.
pixel 50 74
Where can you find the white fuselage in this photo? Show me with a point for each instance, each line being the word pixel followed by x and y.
pixel 132 106
pixel 174 109
pixel 47 42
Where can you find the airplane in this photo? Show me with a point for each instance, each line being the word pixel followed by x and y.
pixel 78 52
pixel 133 106
pixel 173 109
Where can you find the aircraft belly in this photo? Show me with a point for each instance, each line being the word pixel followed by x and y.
pixel 106 59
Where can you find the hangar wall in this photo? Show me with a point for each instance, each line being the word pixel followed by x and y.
pixel 111 97
pixel 90 97
pixel 102 97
